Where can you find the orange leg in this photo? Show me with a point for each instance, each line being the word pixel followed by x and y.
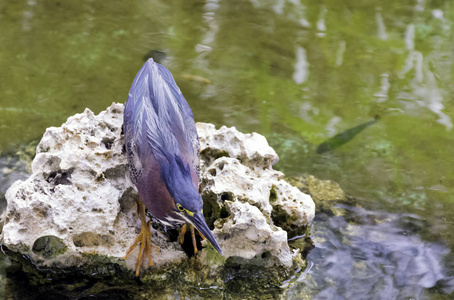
pixel 194 242
pixel 182 232
pixel 201 235
pixel 144 238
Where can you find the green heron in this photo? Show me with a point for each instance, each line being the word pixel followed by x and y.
pixel 163 153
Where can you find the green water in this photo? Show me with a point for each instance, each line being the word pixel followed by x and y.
pixel 297 72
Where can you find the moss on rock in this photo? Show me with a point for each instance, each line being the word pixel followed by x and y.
pixel 49 246
pixel 325 193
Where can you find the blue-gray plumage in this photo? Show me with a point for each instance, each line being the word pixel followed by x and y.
pixel 162 149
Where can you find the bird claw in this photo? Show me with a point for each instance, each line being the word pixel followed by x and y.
pixel 144 238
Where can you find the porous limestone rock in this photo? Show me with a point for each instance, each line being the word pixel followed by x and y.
pixel 251 237
pixel 251 149
pixel 247 176
pixel 79 199
pixel 79 192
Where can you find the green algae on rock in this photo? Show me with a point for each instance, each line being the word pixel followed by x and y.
pixel 49 246
pixel 325 193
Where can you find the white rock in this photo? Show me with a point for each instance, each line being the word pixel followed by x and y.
pixel 248 234
pixel 251 149
pixel 298 206
pixel 80 192
pixel 227 175
pixel 245 192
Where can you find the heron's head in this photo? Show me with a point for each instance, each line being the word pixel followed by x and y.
pixel 188 202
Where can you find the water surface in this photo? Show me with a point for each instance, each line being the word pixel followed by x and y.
pixel 298 72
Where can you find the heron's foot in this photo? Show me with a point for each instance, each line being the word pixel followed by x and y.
pixel 144 238
pixel 194 241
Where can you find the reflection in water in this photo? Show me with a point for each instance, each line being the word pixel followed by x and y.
pixel 28 15
pixel 381 26
pixel 301 66
pixel 331 126
pixel 383 94
pixel 321 27
pixel 247 64
pixel 410 38
pixel 432 98
pixel 209 17
pixel 373 255
pixel 425 90
pixel 419 7
pixel 340 53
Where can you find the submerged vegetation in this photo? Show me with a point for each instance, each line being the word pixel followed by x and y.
pixel 343 137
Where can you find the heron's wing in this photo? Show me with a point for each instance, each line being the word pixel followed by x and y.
pixel 192 134
pixel 157 120
pixel 186 111
pixel 188 117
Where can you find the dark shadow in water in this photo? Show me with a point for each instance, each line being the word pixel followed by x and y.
pixel 374 255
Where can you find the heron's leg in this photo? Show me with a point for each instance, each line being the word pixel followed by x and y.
pixel 201 235
pixel 194 242
pixel 144 238
pixel 182 233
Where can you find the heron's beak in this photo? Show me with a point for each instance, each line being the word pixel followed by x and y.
pixel 198 220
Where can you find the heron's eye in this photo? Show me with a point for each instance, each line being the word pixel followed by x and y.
pixel 180 207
